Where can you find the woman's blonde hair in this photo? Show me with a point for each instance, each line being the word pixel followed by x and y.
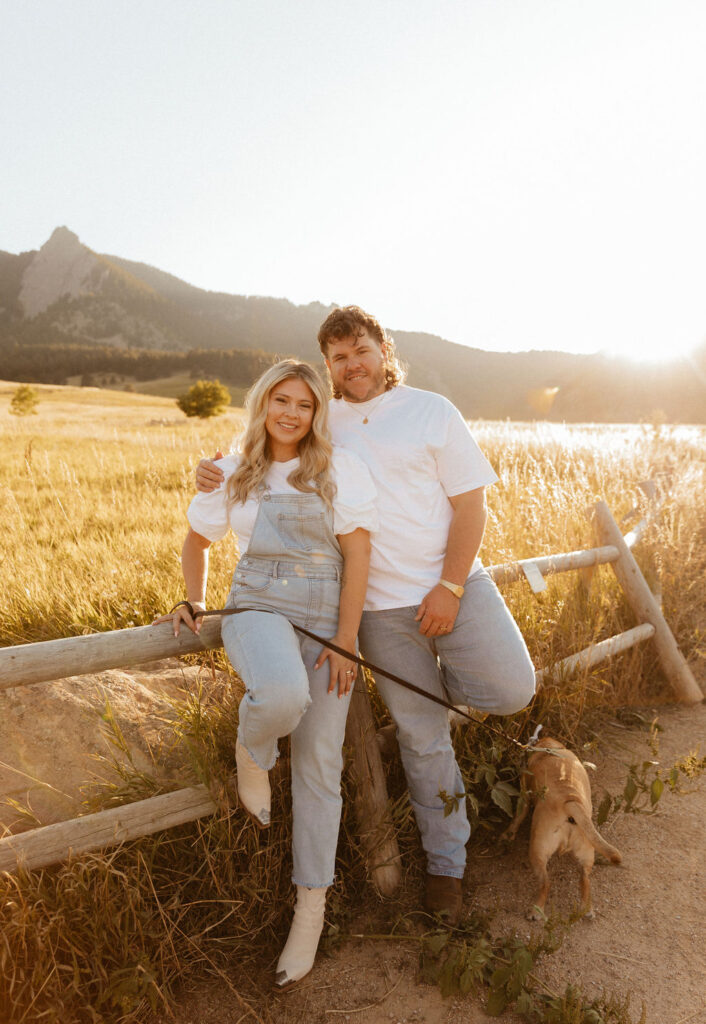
pixel 313 475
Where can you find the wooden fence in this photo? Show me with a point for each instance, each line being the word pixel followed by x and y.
pixel 56 659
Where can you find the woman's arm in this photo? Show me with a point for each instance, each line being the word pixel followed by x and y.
pixel 194 565
pixel 356 559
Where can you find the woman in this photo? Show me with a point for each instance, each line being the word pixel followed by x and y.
pixel 303 513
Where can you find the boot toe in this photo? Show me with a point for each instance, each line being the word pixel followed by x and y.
pixel 444 895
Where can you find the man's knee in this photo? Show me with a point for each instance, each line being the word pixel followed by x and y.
pixel 513 692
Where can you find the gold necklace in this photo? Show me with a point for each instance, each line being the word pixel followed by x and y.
pixel 369 413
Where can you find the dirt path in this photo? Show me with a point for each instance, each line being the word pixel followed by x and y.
pixel 648 936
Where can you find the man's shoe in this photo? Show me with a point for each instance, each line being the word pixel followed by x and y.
pixel 444 895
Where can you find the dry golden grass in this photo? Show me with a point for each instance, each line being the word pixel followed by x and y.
pixel 94 488
pixel 93 495
pixel 93 492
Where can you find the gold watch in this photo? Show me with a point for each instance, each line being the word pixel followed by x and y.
pixel 455 588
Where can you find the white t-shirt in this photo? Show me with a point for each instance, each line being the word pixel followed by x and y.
pixel 354 505
pixel 420 452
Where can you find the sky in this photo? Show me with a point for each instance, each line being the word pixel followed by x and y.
pixel 508 174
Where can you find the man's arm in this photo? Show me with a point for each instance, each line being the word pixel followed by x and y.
pixel 208 475
pixel 438 610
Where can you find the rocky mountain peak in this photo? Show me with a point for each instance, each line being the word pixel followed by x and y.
pixel 63 266
pixel 62 238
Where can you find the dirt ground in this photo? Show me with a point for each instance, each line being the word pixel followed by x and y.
pixel 648 936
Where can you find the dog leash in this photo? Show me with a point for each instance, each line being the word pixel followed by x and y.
pixel 366 664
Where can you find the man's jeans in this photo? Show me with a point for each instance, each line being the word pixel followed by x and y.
pixel 483 663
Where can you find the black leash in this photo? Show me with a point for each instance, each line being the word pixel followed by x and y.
pixel 362 662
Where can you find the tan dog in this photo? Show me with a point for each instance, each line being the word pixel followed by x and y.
pixel 559 787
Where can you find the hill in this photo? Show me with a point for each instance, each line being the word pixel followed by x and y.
pixel 66 311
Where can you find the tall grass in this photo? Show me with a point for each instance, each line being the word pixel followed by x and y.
pixel 93 500
pixel 93 492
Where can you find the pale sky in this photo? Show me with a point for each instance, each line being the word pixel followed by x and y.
pixel 509 174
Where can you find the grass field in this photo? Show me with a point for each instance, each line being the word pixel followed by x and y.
pixel 94 488
pixel 93 491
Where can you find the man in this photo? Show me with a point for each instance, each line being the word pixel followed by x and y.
pixel 432 615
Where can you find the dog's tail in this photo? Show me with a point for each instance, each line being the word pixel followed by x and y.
pixel 583 820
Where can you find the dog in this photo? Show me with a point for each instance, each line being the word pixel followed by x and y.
pixel 558 785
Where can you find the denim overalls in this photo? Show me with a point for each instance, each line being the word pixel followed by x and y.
pixel 292 567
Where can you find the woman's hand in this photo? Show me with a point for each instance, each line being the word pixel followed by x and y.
pixel 182 614
pixel 342 671
pixel 355 547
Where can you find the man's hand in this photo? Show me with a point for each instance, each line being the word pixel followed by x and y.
pixel 208 475
pixel 437 612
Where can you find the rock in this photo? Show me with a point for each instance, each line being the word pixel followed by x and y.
pixel 55 737
pixel 63 266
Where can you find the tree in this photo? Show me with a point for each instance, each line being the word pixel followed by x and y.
pixel 205 398
pixel 24 401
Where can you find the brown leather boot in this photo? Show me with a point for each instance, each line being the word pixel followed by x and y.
pixel 444 895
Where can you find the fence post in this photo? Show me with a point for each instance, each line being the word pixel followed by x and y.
pixel 646 608
pixel 375 828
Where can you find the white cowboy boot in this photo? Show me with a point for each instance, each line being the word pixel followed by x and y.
pixel 299 952
pixel 253 787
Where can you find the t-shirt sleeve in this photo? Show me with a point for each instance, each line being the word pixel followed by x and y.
pixel 355 502
pixel 208 513
pixel 461 464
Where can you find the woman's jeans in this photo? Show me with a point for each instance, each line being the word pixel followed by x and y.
pixel 284 694
pixel 483 663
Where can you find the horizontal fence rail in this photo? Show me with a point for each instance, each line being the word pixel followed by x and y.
pixel 596 653
pixel 52 843
pixel 120 648
pixel 547 565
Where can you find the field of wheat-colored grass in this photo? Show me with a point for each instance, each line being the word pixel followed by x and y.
pixel 94 488
pixel 93 493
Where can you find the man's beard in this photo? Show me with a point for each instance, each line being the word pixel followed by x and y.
pixel 375 388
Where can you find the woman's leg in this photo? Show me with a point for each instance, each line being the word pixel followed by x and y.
pixel 317 761
pixel 264 650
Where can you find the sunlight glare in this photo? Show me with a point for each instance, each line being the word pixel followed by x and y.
pixel 654 352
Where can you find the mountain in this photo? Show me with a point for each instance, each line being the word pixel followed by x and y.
pixel 65 309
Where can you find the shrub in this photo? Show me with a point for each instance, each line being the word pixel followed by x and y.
pixel 204 399
pixel 24 401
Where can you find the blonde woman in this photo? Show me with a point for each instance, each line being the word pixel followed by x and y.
pixel 303 512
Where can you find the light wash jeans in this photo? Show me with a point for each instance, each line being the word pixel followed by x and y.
pixel 483 663
pixel 284 695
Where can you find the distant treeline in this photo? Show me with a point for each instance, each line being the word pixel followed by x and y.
pixel 522 386
pixel 55 363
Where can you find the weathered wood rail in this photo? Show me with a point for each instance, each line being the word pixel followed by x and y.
pixel 55 659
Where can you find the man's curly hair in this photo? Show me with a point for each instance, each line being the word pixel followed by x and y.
pixel 350 322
